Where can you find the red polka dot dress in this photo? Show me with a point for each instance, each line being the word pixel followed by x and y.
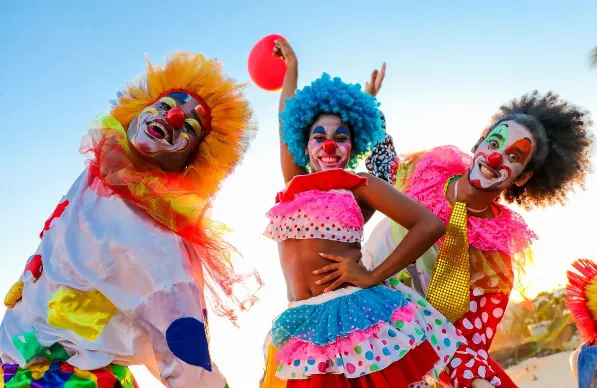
pixel 496 246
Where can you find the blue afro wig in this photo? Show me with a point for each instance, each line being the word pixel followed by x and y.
pixel 331 96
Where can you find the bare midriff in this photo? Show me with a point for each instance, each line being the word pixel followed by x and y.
pixel 299 258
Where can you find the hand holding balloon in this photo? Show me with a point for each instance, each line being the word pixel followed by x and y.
pixel 283 50
pixel 265 67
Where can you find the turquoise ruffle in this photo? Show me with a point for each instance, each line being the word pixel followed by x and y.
pixel 324 323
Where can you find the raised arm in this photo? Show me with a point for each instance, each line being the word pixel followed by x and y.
pixel 383 160
pixel 283 50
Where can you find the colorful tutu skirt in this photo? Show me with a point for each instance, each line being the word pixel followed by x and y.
pixel 353 337
pixel 64 375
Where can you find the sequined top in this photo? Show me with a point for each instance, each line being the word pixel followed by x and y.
pixel 319 205
pixel 108 285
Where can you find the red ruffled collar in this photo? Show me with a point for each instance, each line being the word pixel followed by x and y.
pixel 336 179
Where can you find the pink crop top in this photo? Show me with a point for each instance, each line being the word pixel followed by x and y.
pixel 319 205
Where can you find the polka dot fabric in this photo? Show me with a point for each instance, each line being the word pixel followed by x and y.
pixel 330 215
pixel 389 341
pixel 444 336
pixel 422 384
pixel 479 325
pixel 323 324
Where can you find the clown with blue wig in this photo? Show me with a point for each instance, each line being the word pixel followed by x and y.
pixel 344 326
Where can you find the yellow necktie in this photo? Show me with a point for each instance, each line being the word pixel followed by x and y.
pixel 449 287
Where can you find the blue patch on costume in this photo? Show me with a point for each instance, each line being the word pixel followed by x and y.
pixel 187 339
pixel 587 365
pixel 54 377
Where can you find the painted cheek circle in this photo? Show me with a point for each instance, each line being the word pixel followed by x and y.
pixel 314 143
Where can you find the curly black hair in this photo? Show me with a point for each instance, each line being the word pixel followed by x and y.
pixel 564 147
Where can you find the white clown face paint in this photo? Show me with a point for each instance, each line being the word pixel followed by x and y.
pixel 501 157
pixel 330 144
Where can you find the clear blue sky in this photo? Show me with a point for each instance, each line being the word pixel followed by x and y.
pixel 450 66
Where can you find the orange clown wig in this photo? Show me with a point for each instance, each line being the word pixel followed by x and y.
pixel 179 201
pixel 230 113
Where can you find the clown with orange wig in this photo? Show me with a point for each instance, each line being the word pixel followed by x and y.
pixel 119 276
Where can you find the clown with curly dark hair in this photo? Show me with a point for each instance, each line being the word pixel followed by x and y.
pixel 534 152
pixel 120 274
pixel 343 327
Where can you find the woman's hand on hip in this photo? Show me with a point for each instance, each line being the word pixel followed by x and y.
pixel 344 270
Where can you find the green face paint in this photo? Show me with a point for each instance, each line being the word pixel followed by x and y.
pixel 499 135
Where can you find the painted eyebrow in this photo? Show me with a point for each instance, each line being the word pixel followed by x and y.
pixel 342 130
pixel 519 151
pixel 319 129
pixel 499 136
pixel 183 98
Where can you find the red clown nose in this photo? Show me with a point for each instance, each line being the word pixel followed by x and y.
pixel 176 117
pixel 329 146
pixel 495 160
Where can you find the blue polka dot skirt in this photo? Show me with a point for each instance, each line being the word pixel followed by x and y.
pixel 356 332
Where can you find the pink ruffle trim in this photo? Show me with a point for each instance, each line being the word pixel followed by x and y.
pixel 296 349
pixel 507 232
pixel 335 206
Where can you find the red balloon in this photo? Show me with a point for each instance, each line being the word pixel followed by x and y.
pixel 265 69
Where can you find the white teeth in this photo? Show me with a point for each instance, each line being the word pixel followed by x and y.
pixel 487 172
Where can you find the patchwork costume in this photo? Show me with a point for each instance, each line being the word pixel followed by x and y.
pixel 469 274
pixel 351 337
pixel 120 274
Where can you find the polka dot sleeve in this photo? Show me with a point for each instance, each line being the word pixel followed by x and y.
pixel 383 160
pixel 478 326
